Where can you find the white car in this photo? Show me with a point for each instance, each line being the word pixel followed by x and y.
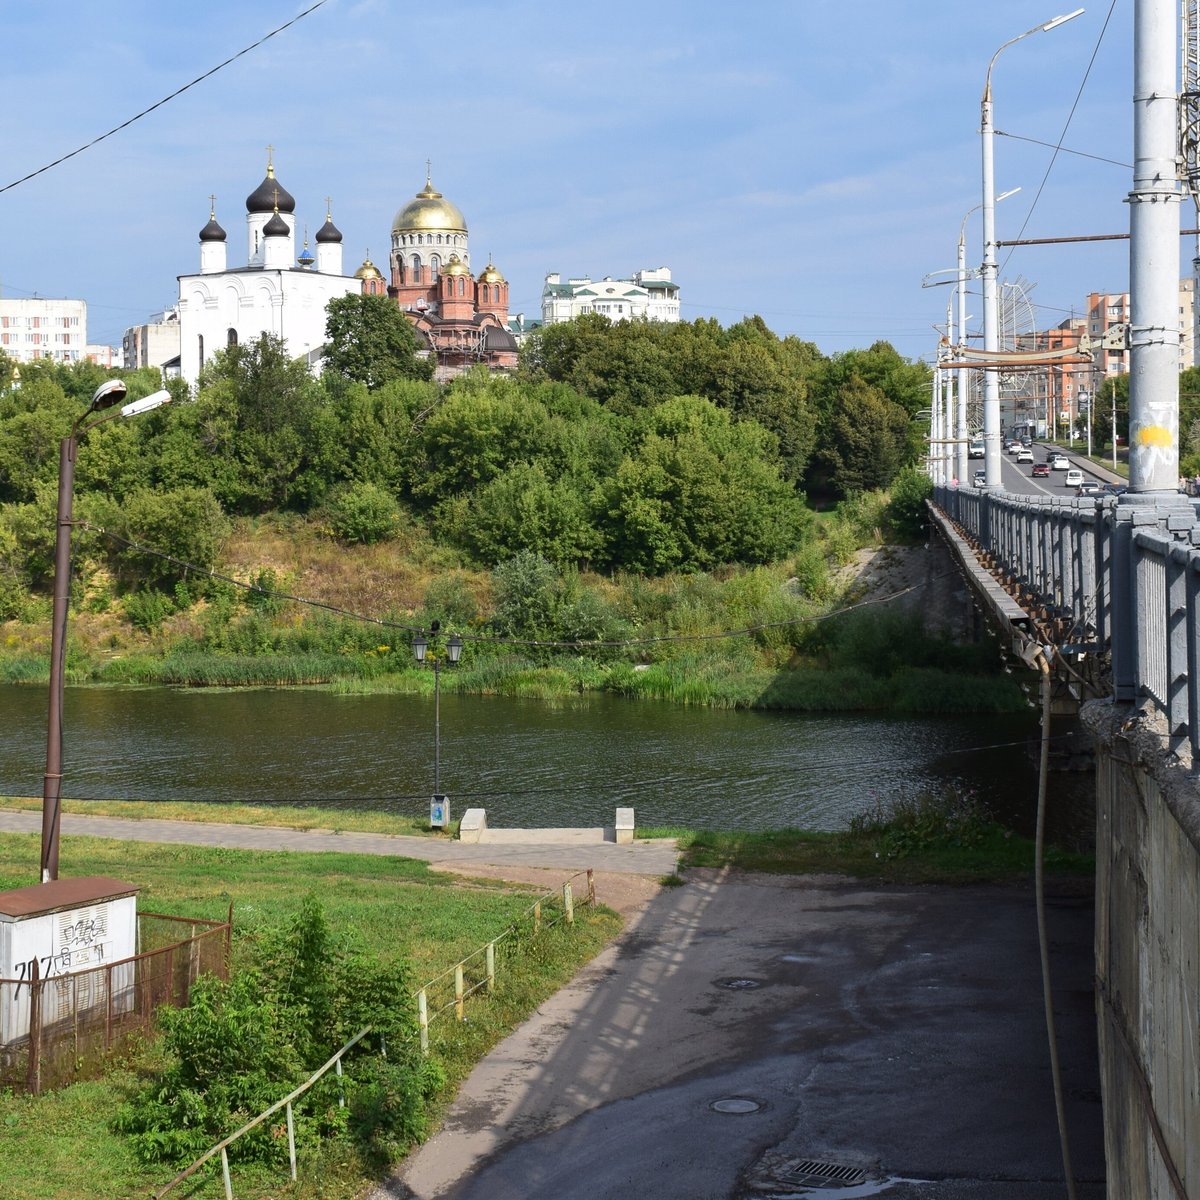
pixel 1058 462
pixel 1074 478
pixel 1024 456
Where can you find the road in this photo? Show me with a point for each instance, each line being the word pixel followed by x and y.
pixel 747 1024
pixel 1016 477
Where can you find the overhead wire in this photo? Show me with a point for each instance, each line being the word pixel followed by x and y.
pixel 166 99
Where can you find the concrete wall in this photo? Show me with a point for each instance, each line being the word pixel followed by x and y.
pixel 1147 958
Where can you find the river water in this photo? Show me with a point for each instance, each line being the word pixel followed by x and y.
pixel 528 762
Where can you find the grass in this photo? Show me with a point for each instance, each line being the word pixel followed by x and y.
pixel 283 816
pixel 397 907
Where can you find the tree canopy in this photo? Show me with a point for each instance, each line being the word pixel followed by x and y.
pixel 371 341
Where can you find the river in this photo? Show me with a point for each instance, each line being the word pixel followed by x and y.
pixel 528 762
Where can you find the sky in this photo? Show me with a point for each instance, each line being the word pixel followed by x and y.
pixel 810 161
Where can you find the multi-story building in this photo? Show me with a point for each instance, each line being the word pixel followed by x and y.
pixel 32 329
pixel 154 344
pixel 1104 310
pixel 649 295
pixel 1187 324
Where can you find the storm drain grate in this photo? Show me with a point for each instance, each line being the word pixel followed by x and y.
pixel 809 1171
pixel 739 984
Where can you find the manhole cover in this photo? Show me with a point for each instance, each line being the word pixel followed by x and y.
pixel 736 1104
pixel 736 985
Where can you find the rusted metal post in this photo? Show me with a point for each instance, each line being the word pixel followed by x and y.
pixel 33 1079
pixel 229 941
pixel 423 1019
pixel 490 958
pixel 458 991
pixel 568 904
pixel 108 1007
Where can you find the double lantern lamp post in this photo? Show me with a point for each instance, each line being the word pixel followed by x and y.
pixel 438 809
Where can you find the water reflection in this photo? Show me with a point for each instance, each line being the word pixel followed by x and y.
pixel 527 762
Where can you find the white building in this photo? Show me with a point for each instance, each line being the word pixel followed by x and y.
pixel 154 344
pixel 31 329
pixel 649 295
pixel 279 291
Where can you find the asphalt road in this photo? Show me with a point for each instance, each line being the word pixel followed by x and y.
pixel 1016 478
pixel 895 1032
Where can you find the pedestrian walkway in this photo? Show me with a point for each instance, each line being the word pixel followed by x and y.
pixel 571 849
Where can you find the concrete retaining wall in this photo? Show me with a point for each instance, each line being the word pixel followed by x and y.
pixel 1147 959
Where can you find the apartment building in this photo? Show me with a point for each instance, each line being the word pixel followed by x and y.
pixel 33 329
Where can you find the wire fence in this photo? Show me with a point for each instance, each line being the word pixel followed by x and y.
pixel 58 1029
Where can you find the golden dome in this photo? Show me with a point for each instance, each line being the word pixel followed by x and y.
pixel 429 210
pixel 489 274
pixel 456 266
pixel 368 271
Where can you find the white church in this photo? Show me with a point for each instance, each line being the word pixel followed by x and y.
pixel 279 291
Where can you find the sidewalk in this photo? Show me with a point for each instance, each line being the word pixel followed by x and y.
pixel 552 848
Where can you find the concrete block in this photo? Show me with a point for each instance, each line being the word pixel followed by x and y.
pixel 624 826
pixel 472 825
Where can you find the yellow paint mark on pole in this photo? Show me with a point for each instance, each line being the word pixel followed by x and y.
pixel 1155 435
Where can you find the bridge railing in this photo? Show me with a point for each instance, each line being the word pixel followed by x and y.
pixel 1113 580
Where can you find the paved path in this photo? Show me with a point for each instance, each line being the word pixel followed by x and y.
pixel 559 849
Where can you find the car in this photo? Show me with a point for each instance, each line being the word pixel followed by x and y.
pixel 1027 443
pixel 975 449
pixel 979 479
pixel 1041 470
pixel 1089 487
pixel 1115 489
pixel 1024 456
pixel 1012 446
pixel 1073 478
pixel 1058 462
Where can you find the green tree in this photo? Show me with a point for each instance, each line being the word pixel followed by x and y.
pixel 371 341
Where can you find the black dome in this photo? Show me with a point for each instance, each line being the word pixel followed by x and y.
pixel 212 232
pixel 276 227
pixel 329 232
pixel 269 196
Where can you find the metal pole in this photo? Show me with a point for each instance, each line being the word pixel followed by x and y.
pixel 948 471
pixel 991 337
pixel 437 727
pixel 52 783
pixel 963 375
pixel 1154 255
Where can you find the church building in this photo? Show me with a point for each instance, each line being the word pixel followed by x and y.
pixel 462 317
pixel 281 290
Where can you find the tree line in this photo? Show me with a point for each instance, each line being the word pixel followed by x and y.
pixel 638 446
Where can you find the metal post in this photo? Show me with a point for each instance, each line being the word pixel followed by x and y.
pixel 1154 255
pixel 423 1020
pixel 291 1128
pixel 437 727
pixel 991 336
pixel 225 1174
pixel 490 966
pixel 964 384
pixel 458 991
pixel 568 904
pixel 52 783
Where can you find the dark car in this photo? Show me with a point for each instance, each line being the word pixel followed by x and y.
pixel 1041 470
pixel 1115 489
pixel 1089 487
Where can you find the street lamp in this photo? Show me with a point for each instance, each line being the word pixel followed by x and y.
pixel 991 313
pixel 106 396
pixel 454 647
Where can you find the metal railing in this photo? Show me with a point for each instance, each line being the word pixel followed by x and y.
pixel 1116 580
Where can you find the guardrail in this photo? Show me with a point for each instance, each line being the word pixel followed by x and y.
pixel 543 913
pixel 1115 579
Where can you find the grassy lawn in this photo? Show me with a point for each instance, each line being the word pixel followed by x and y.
pixel 59 1147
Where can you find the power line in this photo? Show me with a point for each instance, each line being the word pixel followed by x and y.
pixel 146 111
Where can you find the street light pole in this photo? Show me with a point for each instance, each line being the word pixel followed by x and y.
pixel 105 397
pixel 454 647
pixel 991 314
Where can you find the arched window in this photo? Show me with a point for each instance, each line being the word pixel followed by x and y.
pixel 439 239
pixel 416 268
pixel 462 286
pixel 231 336
pixel 435 264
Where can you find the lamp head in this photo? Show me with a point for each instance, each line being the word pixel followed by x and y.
pixel 419 646
pixel 1055 22
pixel 110 392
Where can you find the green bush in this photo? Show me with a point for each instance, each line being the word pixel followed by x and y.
pixel 364 512
pixel 906 512
pixel 148 610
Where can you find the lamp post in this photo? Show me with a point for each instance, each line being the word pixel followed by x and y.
pixel 106 396
pixel 991 314
pixel 454 647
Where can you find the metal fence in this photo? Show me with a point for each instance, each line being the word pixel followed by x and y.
pixel 1115 580
pixel 61 1028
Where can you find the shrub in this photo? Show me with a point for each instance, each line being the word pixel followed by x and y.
pixel 364 512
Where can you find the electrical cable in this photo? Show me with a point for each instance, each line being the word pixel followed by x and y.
pixel 146 111
pixel 1067 125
